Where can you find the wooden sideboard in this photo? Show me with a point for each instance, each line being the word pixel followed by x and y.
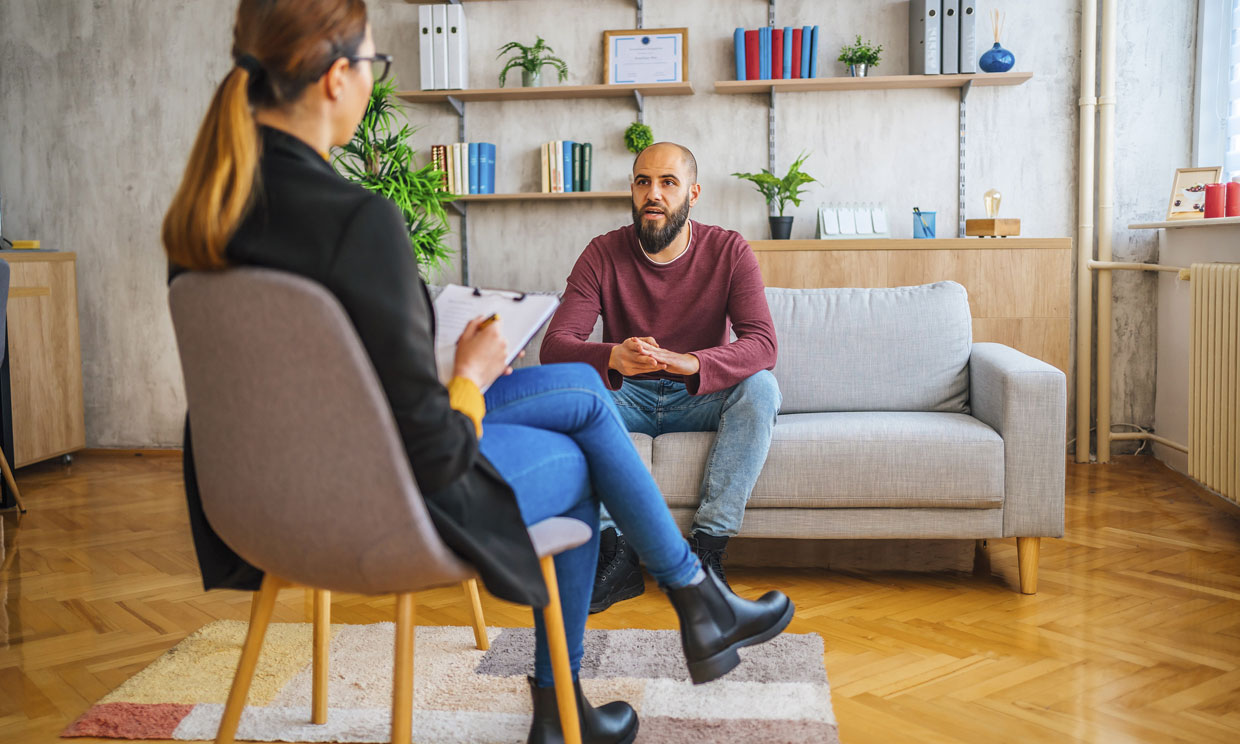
pixel 44 356
pixel 1020 289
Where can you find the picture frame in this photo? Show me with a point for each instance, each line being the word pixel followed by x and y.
pixel 1188 192
pixel 646 55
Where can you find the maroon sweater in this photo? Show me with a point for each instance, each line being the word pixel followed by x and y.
pixel 685 305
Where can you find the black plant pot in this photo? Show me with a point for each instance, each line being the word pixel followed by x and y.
pixel 781 228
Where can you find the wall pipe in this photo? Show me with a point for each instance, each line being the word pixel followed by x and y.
pixel 1106 222
pixel 1183 273
pixel 1152 437
pixel 1085 227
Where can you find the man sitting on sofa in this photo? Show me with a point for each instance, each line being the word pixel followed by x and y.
pixel 667 289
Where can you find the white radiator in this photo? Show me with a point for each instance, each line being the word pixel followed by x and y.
pixel 1214 387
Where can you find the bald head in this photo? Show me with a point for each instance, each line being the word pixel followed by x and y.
pixel 665 156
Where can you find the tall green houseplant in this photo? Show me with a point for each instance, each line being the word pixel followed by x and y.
pixel 380 158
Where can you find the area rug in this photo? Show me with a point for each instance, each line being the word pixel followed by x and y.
pixel 779 693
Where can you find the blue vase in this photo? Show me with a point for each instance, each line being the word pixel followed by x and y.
pixel 997 59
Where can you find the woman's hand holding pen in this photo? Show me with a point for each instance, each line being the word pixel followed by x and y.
pixel 482 352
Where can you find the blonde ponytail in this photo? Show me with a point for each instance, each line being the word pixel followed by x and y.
pixel 215 191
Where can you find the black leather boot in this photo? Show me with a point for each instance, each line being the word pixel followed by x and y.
pixel 619 575
pixel 613 723
pixel 714 623
pixel 711 551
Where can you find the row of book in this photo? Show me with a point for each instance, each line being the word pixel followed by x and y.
pixel 469 167
pixel 776 53
pixel 443 47
pixel 566 166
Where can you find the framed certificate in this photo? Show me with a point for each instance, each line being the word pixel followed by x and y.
pixel 646 55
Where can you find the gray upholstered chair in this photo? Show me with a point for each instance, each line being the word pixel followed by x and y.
pixel 303 474
pixel 4 349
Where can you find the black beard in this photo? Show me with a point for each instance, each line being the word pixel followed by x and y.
pixel 653 239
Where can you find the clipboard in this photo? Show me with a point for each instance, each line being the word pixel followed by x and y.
pixel 522 316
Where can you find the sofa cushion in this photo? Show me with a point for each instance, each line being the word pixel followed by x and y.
pixel 897 349
pixel 854 459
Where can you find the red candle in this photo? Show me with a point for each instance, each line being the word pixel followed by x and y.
pixel 1215 194
pixel 1233 199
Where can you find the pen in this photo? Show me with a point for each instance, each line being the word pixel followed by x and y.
pixel 488 320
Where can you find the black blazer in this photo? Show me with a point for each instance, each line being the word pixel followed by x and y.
pixel 310 221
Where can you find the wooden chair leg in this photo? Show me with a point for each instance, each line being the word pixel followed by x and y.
pixel 322 640
pixel 260 616
pixel 8 478
pixel 1027 560
pixel 561 670
pixel 402 680
pixel 480 627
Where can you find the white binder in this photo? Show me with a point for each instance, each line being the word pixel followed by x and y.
pixel 968 36
pixel 426 47
pixel 924 34
pixel 951 37
pixel 439 21
pixel 458 48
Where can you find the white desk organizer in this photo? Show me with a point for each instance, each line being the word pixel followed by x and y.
pixel 852 221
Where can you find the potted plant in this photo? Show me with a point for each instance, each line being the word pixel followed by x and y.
pixel 531 60
pixel 638 137
pixel 860 57
pixel 380 158
pixel 780 191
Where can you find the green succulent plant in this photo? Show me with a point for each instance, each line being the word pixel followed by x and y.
pixel 530 59
pixel 380 158
pixel 780 191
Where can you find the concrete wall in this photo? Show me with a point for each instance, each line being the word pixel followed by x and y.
pixel 100 102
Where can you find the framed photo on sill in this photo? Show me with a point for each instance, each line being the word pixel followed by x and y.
pixel 1188 192
pixel 646 55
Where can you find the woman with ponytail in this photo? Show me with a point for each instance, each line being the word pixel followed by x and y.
pixel 545 441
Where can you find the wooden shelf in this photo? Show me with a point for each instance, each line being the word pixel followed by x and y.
pixel 537 196
pixel 874 82
pixel 911 244
pixel 1212 222
pixel 549 92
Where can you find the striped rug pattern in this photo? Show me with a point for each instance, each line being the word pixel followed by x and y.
pixel 462 695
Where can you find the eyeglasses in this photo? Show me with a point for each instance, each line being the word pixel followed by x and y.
pixel 380 65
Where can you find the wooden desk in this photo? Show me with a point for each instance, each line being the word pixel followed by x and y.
pixel 1020 289
pixel 45 356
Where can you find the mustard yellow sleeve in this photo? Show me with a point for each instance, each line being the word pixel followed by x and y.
pixel 464 396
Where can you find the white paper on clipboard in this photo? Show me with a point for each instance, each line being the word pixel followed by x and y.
pixel 521 316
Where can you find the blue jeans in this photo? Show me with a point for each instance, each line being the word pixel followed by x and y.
pixel 743 417
pixel 556 437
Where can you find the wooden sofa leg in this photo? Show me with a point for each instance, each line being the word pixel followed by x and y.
pixel 1027 559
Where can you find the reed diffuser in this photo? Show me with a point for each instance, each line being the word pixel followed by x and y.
pixel 997 59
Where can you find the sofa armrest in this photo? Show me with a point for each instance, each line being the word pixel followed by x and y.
pixel 1025 401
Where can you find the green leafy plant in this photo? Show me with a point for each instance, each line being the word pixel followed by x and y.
pixel 530 59
pixel 780 191
pixel 638 137
pixel 861 53
pixel 380 159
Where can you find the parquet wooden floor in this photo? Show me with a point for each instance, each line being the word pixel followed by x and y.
pixel 1133 636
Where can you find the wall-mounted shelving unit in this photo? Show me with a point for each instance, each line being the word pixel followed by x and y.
pixel 873 82
pixel 964 83
pixel 539 196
